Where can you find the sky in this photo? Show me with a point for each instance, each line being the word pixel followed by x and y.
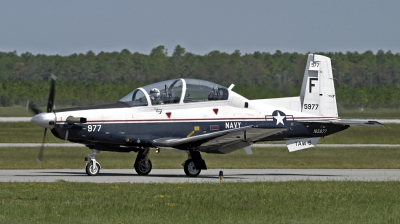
pixel 78 26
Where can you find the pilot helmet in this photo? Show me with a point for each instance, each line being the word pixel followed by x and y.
pixel 155 92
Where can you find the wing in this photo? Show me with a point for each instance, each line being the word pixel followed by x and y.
pixel 222 141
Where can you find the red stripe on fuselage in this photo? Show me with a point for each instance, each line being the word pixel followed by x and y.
pixel 202 119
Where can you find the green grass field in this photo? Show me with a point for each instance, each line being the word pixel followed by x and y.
pixel 284 202
pixel 20 111
pixel 369 113
pixel 24 132
pixel 263 158
pixel 268 202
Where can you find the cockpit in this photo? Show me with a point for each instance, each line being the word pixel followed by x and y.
pixel 176 91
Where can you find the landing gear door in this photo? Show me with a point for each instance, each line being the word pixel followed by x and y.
pixel 303 143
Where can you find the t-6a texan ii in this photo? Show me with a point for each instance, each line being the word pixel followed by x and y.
pixel 198 116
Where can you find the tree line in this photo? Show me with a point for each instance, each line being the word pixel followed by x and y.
pixel 362 79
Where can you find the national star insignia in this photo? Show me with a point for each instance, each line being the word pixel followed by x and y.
pixel 279 119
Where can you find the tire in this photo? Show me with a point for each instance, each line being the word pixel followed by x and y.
pixel 90 171
pixel 190 168
pixel 143 167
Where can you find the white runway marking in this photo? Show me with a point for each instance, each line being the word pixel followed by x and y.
pixel 206 176
pixel 15 119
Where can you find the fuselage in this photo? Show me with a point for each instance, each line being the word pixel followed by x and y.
pixel 138 126
pixel 184 109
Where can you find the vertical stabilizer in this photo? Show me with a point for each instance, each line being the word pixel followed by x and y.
pixel 317 95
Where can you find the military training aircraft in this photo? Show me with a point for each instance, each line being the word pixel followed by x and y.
pixel 196 116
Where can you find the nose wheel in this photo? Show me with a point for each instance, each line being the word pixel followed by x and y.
pixel 93 167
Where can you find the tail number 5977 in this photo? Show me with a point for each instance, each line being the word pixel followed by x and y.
pixel 310 106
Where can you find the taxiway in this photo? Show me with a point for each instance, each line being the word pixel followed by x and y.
pixel 206 176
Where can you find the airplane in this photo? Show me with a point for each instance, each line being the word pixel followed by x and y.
pixel 198 116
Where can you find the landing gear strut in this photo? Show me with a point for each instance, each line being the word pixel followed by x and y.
pixel 143 164
pixel 93 167
pixel 194 164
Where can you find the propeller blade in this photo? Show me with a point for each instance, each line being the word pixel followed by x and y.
pixel 50 105
pixel 50 102
pixel 40 156
pixel 32 107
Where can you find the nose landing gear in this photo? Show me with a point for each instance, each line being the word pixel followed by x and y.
pixel 93 167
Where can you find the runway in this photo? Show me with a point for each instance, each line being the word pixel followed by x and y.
pixel 206 176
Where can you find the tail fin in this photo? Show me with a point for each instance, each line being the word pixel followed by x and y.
pixel 317 95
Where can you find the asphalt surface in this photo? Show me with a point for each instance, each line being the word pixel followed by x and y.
pixel 206 176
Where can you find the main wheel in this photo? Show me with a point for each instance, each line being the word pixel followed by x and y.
pixel 92 170
pixel 143 167
pixel 190 168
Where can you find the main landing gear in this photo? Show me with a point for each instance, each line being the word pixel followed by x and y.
pixel 93 167
pixel 194 164
pixel 143 164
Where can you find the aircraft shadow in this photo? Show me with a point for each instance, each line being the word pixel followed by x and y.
pixel 63 174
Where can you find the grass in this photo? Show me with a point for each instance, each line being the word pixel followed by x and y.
pixel 19 111
pixel 24 132
pixel 27 132
pixel 263 158
pixel 14 112
pixel 389 134
pixel 267 202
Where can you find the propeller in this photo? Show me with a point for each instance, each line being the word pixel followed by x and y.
pixel 33 108
pixel 47 119
pixel 40 155
pixel 50 101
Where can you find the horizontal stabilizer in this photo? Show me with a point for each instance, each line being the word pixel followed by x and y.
pixel 356 123
pixel 353 123
pixel 301 143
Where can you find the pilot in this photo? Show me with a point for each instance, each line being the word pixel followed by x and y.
pixel 155 96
